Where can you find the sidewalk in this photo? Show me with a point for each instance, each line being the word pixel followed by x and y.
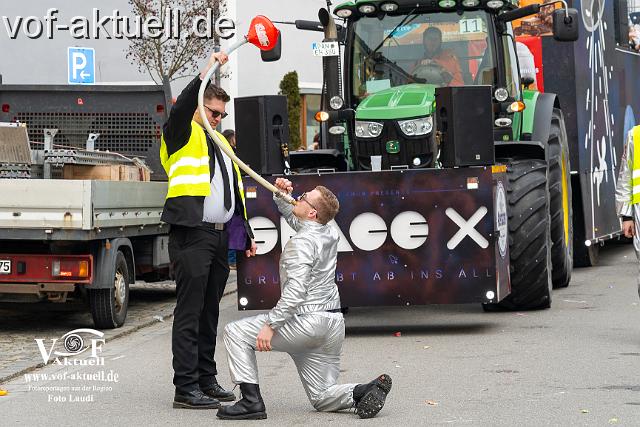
pixel 149 304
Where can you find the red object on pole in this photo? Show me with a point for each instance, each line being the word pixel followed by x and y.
pixel 262 33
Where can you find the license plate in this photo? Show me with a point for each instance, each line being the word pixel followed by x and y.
pixel 325 49
pixel 5 266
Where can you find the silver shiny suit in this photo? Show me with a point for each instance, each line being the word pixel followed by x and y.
pixel 303 326
pixel 623 195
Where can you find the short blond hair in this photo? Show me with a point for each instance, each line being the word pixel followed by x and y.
pixel 327 206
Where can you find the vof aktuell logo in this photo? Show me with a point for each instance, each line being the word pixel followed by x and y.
pixel 79 353
pixel 73 345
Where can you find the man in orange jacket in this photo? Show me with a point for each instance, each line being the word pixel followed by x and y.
pixel 444 62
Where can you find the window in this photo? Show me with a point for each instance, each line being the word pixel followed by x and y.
pixel 511 65
pixel 310 127
pixel 442 49
pixel 627 22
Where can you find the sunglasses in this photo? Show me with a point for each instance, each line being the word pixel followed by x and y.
pixel 215 113
pixel 303 198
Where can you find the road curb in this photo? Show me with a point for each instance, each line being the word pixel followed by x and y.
pixel 168 314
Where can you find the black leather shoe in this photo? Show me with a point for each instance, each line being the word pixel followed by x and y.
pixel 250 407
pixel 216 391
pixel 195 399
pixel 369 398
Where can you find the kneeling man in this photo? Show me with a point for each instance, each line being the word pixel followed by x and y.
pixel 306 322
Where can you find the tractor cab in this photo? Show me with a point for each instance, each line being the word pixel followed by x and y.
pixel 398 52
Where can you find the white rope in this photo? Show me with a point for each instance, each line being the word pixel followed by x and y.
pixel 227 150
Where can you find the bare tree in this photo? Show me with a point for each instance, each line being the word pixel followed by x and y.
pixel 167 59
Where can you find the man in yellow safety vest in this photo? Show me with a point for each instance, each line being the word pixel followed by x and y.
pixel 628 192
pixel 205 192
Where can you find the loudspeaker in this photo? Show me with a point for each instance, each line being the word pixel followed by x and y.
pixel 465 120
pixel 262 125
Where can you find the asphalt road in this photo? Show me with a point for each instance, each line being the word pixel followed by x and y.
pixel 574 364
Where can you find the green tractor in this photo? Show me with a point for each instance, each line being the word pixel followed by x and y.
pixel 398 55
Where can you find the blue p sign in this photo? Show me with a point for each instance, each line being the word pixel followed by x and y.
pixel 81 62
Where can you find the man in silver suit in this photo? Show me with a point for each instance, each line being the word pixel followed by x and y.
pixel 628 192
pixel 306 322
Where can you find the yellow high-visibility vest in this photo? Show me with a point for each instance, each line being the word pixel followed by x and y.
pixel 635 176
pixel 188 168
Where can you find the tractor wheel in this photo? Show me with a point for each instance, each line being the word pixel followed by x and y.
pixel 560 208
pixel 529 236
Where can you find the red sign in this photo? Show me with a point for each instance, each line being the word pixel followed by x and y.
pixel 535 46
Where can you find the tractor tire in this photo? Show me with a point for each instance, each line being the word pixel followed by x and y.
pixel 560 207
pixel 529 236
pixel 109 306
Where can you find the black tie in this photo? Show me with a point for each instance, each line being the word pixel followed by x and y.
pixel 225 176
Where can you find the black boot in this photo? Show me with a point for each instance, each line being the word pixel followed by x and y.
pixel 250 407
pixel 215 390
pixel 194 399
pixel 369 398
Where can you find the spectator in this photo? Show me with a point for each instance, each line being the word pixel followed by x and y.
pixel 628 191
pixel 316 142
pixel 230 134
pixel 236 239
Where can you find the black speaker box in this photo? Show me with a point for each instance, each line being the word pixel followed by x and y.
pixel 262 124
pixel 465 118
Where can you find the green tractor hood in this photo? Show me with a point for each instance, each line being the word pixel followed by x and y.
pixel 400 102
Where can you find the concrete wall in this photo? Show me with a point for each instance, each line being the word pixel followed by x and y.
pixel 44 61
pixel 28 61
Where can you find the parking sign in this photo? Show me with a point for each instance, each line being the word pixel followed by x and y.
pixel 81 68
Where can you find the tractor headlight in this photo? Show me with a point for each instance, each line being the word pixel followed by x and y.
pixel 337 130
pixel 495 4
pixel 366 9
pixel 501 94
pixel 368 129
pixel 447 3
pixel 336 102
pixel 389 7
pixel 416 127
pixel 344 13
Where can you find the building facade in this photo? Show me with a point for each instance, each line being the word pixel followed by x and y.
pixel 31 59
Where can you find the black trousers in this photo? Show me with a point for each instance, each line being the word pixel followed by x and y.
pixel 201 269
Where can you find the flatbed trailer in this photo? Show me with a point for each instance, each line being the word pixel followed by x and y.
pixel 84 210
pixel 65 240
pixel 84 240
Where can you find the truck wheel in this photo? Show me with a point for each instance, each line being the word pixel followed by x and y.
pixel 560 207
pixel 109 306
pixel 529 236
